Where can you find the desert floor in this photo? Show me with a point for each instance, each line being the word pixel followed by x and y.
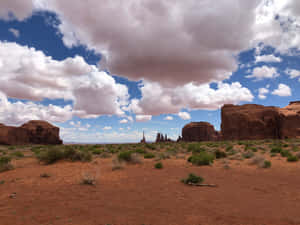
pixel 140 194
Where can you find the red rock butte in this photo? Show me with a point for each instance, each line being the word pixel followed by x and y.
pixel 33 132
pixel 249 122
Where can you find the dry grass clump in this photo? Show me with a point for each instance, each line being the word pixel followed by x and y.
pixel 260 162
pixel 117 164
pixel 88 179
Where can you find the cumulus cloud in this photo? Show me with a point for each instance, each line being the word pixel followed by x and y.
pixel 19 112
pixel 143 118
pixel 123 121
pixel 283 90
pixel 168 118
pixel 262 93
pixel 107 128
pixel 184 115
pixel 15 32
pixel 263 72
pixel 10 9
pixel 267 58
pixel 189 45
pixel 31 75
pixel 293 73
pixel 157 99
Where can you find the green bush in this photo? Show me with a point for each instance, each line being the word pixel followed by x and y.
pixel 292 158
pixel 220 154
pixel 149 155
pixel 201 159
pixel 158 165
pixel 248 154
pixel 151 146
pixel 285 153
pixel 276 149
pixel 267 164
pixel 53 155
pixel 50 156
pixel 5 163
pixel 229 148
pixel 192 179
pixel 140 151
pixel 195 148
pixel 125 156
pixel 97 151
pixel 17 154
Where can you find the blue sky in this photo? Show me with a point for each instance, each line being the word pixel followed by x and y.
pixel 124 82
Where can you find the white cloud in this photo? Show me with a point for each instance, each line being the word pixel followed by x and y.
pixel 262 93
pixel 184 115
pixel 282 90
pixel 168 118
pixel 264 72
pixel 157 99
pixel 190 41
pixel 15 32
pixel 28 74
pixel 123 121
pixel 143 118
pixel 107 128
pixel 19 112
pixel 20 9
pixel 293 73
pixel 267 58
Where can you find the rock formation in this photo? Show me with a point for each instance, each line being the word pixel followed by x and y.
pixel 162 138
pixel 144 139
pixel 251 122
pixel 199 131
pixel 290 123
pixel 33 132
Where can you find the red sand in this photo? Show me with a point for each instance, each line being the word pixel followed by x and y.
pixel 140 194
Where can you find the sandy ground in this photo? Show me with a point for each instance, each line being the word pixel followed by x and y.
pixel 140 194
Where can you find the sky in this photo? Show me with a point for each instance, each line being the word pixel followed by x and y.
pixel 106 71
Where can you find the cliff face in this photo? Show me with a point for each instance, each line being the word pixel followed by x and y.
pixel 199 131
pixel 290 124
pixel 33 132
pixel 250 122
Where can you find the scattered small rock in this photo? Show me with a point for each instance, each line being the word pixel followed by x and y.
pixel 13 195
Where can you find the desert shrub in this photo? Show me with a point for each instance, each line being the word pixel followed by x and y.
pixel 220 154
pixel 276 149
pixel 129 156
pixel 11 148
pixel 164 156
pixel 257 160
pixel 201 159
pixel 17 154
pixel 248 154
pixel 196 148
pixel 267 164
pixel 51 156
pixel 292 158
pixel 125 156
pixel 158 165
pixel 285 145
pixel 117 164
pixel 149 155
pixel 229 148
pixel 97 151
pixel 5 163
pixel 192 179
pixel 140 151
pixel 273 154
pixel 77 155
pixel 88 179
pixel 285 153
pixel 150 146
